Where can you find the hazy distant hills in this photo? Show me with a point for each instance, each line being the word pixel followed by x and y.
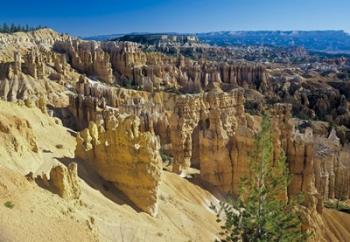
pixel 328 41
pixel 103 37
pixel 325 41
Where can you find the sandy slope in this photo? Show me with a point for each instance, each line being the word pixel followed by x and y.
pixel 338 225
pixel 26 125
pixel 29 142
pixel 37 215
pixel 183 214
pixel 102 213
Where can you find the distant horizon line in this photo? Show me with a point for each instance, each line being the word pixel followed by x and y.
pixel 193 32
pixel 216 31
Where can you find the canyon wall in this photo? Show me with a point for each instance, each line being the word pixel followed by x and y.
pixel 210 131
pixel 127 62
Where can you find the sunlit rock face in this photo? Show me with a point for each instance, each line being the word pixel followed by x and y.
pixel 63 181
pixel 30 69
pixel 125 156
pixel 127 62
pixel 210 131
pixel 332 167
pixel 87 57
pixel 201 131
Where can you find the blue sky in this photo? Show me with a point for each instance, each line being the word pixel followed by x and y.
pixel 88 17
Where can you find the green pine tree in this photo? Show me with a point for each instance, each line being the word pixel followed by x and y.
pixel 5 28
pixel 261 212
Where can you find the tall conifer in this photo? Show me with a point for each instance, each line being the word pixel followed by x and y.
pixel 262 211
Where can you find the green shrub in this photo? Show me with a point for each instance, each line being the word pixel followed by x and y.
pixel 9 204
pixel 338 205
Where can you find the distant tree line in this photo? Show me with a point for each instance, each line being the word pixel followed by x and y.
pixel 12 28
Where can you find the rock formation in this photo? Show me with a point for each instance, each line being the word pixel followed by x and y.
pixel 20 134
pixel 88 58
pixel 63 181
pixel 125 156
pixel 126 61
pixel 210 131
pixel 332 168
pixel 205 120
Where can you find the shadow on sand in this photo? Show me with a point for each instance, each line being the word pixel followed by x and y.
pixel 107 189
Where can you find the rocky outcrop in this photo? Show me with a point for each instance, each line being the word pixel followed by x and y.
pixel 29 68
pixel 301 163
pixel 63 181
pixel 210 131
pixel 34 64
pixel 202 112
pixel 87 57
pixel 21 42
pixel 17 135
pixel 200 131
pixel 312 99
pixel 196 130
pixel 125 156
pixel 214 131
pixel 332 167
pixel 94 98
pixel 128 64
pixel 30 76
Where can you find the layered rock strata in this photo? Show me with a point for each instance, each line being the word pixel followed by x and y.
pixel 35 73
pixel 127 62
pixel 210 131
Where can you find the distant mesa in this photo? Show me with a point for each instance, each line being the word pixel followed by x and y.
pixel 154 39
pixel 330 41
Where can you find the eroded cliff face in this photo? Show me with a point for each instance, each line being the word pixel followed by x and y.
pixel 210 131
pixel 88 58
pixel 332 167
pixel 35 62
pixel 125 156
pixel 201 130
pixel 127 62
pixel 36 73
pixel 21 42
pixel 29 68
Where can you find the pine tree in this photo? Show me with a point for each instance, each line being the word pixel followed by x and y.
pixel 5 28
pixel 262 211
pixel 13 28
